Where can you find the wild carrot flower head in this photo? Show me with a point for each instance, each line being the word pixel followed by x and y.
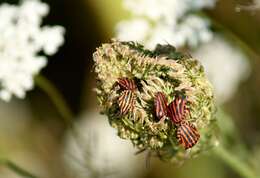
pixel 162 70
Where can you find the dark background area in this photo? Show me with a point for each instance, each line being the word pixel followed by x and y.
pixel 72 65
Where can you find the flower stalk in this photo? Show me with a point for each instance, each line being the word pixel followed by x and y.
pixel 234 162
pixel 16 169
pixel 56 98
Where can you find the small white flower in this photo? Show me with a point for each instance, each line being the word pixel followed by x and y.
pixel 194 30
pixel 166 21
pixel 32 11
pixel 225 66
pixel 157 9
pixel 168 10
pixel 21 39
pixel 51 39
pixel 133 30
pixel 191 31
pixel 161 34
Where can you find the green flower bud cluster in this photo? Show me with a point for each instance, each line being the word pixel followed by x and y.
pixel 162 70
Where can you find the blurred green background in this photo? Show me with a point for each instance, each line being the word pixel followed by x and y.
pixel 34 135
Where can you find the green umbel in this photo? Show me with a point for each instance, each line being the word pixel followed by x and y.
pixel 164 70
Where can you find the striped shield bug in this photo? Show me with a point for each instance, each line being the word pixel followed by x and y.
pixel 177 110
pixel 127 98
pixel 126 101
pixel 127 84
pixel 187 134
pixel 160 104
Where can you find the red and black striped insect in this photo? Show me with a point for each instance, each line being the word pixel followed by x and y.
pixel 127 84
pixel 160 104
pixel 177 110
pixel 127 98
pixel 187 134
pixel 126 101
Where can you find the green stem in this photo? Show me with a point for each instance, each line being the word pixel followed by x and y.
pixel 15 168
pixel 56 98
pixel 234 162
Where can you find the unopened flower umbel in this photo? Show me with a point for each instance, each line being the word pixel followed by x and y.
pixel 129 78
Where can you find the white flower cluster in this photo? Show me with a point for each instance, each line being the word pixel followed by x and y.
pixel 21 40
pixel 166 21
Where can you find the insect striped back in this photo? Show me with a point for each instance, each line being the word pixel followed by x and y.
pixel 187 134
pixel 126 101
pixel 127 84
pixel 177 110
pixel 160 104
